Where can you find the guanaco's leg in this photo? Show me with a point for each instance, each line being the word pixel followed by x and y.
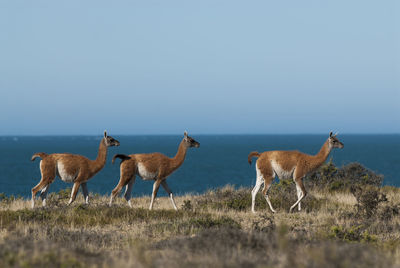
pixel 168 190
pixel 156 186
pixel 37 188
pixel 127 172
pixel 116 190
pixel 74 191
pixel 128 190
pixel 85 193
pixel 265 175
pixel 43 194
pixel 47 169
pixel 267 185
pixel 299 193
pixel 299 184
pixel 259 182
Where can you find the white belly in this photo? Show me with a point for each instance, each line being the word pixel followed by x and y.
pixel 63 174
pixel 145 174
pixel 280 172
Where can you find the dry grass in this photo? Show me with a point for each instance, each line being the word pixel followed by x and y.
pixel 216 228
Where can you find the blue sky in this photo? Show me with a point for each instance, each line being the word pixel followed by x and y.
pixel 211 67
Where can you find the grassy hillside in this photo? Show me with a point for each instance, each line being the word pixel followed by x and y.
pixel 348 220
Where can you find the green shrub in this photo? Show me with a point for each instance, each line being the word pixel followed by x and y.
pixel 387 212
pixel 323 176
pixel 8 199
pixel 368 199
pixel 187 205
pixel 353 234
pixel 283 195
pixel 229 198
pixel 241 200
pixel 336 185
pixel 358 174
pixel 329 177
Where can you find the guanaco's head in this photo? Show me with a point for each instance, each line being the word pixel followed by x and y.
pixel 110 141
pixel 334 142
pixel 190 142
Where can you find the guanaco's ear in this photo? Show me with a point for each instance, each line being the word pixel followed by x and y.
pixel 105 133
pixel 185 134
pixel 330 134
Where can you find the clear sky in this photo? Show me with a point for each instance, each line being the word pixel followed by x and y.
pixel 210 67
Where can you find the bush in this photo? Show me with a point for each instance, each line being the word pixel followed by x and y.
pixel 388 212
pixel 230 198
pixel 8 199
pixel 353 234
pixel 358 174
pixel 323 176
pixel 368 199
pixel 329 177
pixel 187 205
pixel 282 195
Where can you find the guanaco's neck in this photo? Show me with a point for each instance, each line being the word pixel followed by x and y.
pixel 321 156
pixel 100 161
pixel 178 159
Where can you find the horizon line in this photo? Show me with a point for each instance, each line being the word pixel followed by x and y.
pixel 198 134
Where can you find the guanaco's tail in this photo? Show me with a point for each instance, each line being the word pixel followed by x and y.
pixel 252 154
pixel 41 155
pixel 122 156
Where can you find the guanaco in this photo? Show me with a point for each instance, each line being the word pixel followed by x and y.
pixel 286 164
pixel 70 168
pixel 152 166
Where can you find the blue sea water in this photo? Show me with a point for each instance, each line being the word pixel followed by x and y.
pixel 220 160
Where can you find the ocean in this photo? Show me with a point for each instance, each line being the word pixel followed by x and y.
pixel 220 160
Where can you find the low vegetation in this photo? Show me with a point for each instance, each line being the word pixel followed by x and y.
pixel 348 220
